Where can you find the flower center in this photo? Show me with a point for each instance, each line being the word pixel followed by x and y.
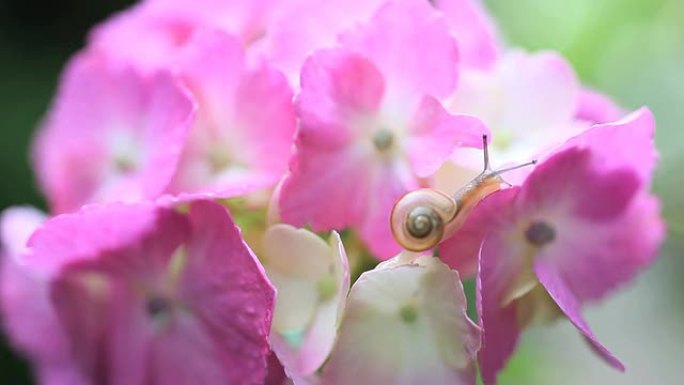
pixel 158 306
pixel 383 139
pixel 540 233
pixel 408 313
pixel 327 288
pixel 124 164
pixel 219 159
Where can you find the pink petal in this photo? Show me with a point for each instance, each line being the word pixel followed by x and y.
pixel 435 134
pixel 83 235
pixel 566 300
pixel 335 161
pixel 402 26
pixel 595 107
pixel 478 40
pixel 300 27
pixel 338 89
pixel 104 116
pixel 245 130
pixel 151 35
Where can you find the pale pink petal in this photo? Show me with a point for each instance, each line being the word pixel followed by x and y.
pixel 478 40
pixel 28 318
pixel 595 107
pixel 393 330
pixel 554 283
pixel 435 134
pixel 16 226
pixel 312 279
pixel 402 26
pixel 527 100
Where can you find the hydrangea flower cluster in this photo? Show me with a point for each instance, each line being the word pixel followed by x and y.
pixel 309 120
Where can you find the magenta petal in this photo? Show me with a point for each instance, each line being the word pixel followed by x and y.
pixel 572 176
pixel 149 294
pixel 435 134
pixel 499 267
pixel 625 143
pixel 229 293
pixel 567 301
pixel 596 259
pixel 462 251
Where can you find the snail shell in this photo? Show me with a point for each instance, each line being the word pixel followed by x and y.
pixel 420 217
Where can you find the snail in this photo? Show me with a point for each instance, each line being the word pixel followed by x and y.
pixel 423 218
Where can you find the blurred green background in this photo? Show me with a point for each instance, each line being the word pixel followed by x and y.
pixel 630 49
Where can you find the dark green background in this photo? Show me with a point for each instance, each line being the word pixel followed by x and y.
pixel 36 38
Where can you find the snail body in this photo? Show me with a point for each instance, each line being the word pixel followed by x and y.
pixel 421 219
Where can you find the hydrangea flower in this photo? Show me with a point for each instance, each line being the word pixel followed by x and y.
pixel 312 280
pixel 243 135
pixel 28 317
pixel 152 34
pixel 581 225
pixel 405 322
pixel 147 294
pixel 111 135
pixel 478 38
pixel 527 100
pixel 371 124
